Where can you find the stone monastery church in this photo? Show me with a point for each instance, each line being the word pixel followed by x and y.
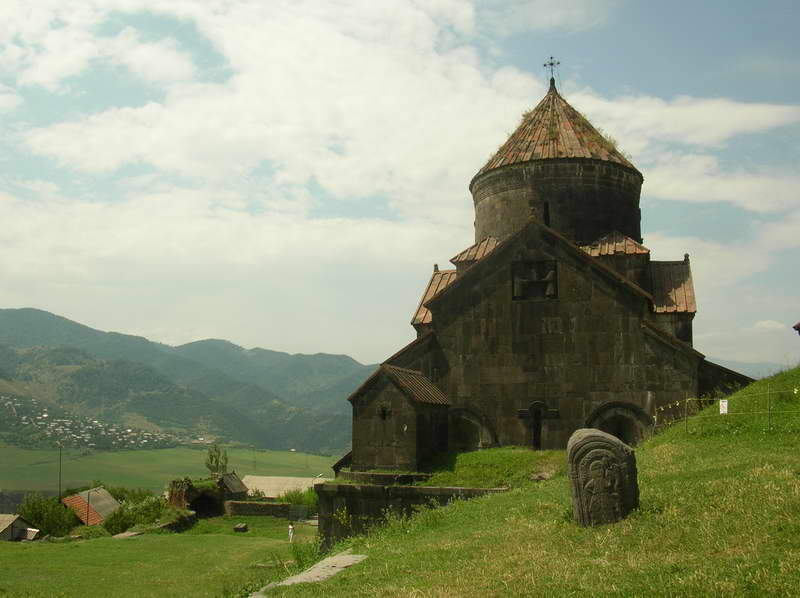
pixel 557 318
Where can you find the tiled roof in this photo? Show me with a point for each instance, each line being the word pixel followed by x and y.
pixel 274 486
pixel 440 279
pixel 417 385
pixel 233 483
pixel 673 290
pixel 6 520
pixel 615 243
pixel 554 129
pixel 475 252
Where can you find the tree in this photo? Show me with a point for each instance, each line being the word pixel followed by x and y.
pixel 217 459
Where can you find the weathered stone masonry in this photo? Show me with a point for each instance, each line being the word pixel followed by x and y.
pixel 556 319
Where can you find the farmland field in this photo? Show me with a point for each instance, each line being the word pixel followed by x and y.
pixel 209 560
pixel 26 469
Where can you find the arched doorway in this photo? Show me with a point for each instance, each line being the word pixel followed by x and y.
pixel 469 431
pixel 626 421
pixel 206 505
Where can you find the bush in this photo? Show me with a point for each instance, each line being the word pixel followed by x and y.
pixel 119 521
pixel 307 498
pixel 47 514
pixel 129 514
pixel 92 531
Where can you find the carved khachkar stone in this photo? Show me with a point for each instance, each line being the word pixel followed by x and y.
pixel 602 472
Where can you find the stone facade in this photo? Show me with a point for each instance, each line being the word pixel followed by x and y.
pixel 556 319
pixel 583 199
pixel 348 509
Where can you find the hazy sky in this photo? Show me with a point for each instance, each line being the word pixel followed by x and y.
pixel 285 174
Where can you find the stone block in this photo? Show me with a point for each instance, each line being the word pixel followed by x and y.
pixel 603 479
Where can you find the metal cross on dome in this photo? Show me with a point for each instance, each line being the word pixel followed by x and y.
pixel 551 64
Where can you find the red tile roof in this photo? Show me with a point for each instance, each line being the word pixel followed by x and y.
pixel 99 506
pixel 673 290
pixel 554 129
pixel 440 279
pixel 475 252
pixel 614 243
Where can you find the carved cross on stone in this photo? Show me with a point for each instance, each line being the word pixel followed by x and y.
pixel 534 414
pixel 602 475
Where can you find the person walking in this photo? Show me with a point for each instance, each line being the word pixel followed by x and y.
pixel 291 532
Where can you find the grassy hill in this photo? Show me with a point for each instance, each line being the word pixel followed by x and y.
pixel 718 516
pixel 209 385
pixel 208 561
pixel 321 380
pixel 314 381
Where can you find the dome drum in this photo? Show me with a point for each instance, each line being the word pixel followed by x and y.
pixel 583 199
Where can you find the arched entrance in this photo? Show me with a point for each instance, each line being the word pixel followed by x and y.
pixel 206 505
pixel 469 431
pixel 626 421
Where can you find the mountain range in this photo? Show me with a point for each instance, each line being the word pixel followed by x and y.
pixel 256 396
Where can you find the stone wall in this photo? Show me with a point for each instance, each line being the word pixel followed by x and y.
pixel 273 509
pixel 716 378
pixel 385 430
pixel 383 479
pixel 349 509
pixel 582 348
pixel 583 199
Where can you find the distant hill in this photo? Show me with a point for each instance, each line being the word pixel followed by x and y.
pixel 298 401
pixel 121 391
pixel 321 381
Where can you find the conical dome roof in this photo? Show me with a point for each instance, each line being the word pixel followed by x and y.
pixel 554 129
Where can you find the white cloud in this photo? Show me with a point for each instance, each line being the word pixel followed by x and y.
pixel 155 62
pixel 770 326
pixel 187 257
pixel 643 122
pixel 700 178
pixel 9 99
pixel 388 100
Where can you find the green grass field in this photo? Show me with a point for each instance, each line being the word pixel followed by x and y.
pixel 718 517
pixel 210 560
pixel 24 469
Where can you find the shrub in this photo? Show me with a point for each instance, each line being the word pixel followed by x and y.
pixel 307 498
pixel 119 521
pixel 92 531
pixel 129 514
pixel 47 514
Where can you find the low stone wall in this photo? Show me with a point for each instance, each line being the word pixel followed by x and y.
pixel 383 479
pixel 180 523
pixel 349 509
pixel 273 509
